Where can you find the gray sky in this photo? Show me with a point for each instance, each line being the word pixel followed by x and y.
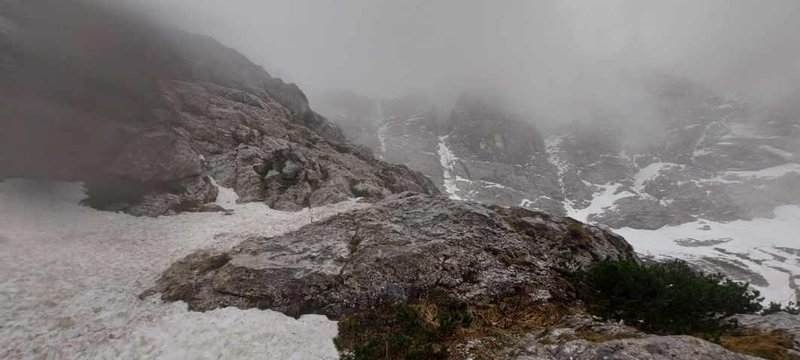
pixel 547 54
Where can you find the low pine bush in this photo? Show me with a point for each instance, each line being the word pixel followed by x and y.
pixel 663 297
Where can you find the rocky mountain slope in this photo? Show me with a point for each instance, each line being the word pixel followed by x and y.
pixel 155 121
pixel 146 116
pixel 707 161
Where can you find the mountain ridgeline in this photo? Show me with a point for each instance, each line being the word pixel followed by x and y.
pixel 706 161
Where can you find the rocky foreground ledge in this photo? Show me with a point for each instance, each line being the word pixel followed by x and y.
pixel 499 275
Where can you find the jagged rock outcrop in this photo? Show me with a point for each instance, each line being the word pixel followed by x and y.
pixel 496 157
pixel 146 116
pixel 714 159
pixel 478 151
pixel 402 131
pixel 394 252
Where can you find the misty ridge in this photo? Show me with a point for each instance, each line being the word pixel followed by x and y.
pixel 553 61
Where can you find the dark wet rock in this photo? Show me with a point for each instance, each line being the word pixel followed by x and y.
pixel 212 208
pixel 393 252
pixel 146 124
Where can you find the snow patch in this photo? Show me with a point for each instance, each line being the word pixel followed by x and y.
pixel 783 154
pixel 601 201
pixel 382 128
pixel 552 146
pixel 72 276
pixel 768 173
pixel 448 161
pixel 748 242
pixel 649 173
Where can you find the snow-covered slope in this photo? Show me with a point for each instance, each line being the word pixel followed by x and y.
pixel 72 274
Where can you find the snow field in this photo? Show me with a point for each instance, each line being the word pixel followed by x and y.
pixel 71 276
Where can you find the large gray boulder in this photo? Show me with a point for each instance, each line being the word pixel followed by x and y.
pixel 392 253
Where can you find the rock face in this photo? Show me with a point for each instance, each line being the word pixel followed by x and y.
pixel 477 152
pixel 393 252
pixel 148 124
pixel 495 157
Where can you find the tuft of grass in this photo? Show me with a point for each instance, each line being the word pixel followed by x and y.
pixel 772 345
pixel 430 326
pixel 576 230
pixel 420 331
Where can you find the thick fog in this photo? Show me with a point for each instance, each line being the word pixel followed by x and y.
pixel 545 54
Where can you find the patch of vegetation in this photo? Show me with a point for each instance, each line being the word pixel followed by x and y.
pixel 263 168
pixel 664 297
pixel 774 307
pixel 417 331
pixel 771 345
pixel 576 230
pixel 430 326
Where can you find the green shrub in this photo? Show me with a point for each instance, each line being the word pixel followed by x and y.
pixel 420 331
pixel 576 230
pixel 663 297
pixel 774 307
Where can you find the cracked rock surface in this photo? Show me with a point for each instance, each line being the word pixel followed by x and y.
pixel 392 252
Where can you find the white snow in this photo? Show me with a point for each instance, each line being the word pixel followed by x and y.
pixel 741 176
pixel 71 276
pixel 448 161
pixel 768 173
pixel 601 201
pixel 649 173
pixel 783 154
pixel 490 185
pixel 552 146
pixel 382 128
pixel 755 239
